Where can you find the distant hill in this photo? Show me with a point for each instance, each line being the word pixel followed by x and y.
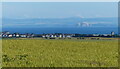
pixel 61 22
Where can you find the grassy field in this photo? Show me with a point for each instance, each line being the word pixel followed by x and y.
pixel 59 53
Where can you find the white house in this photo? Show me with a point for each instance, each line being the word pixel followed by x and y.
pixel 51 35
pixel 43 36
pixel 55 35
pixel 47 35
pixel 4 35
pixel 0 34
pixel 60 36
pixel 95 34
pixel 10 35
pixel 68 36
pixel 23 35
pixel 105 34
pixel 63 36
pixel 17 35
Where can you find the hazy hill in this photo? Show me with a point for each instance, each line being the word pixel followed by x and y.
pixel 61 22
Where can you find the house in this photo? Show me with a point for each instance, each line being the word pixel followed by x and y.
pixel 105 34
pixel 10 35
pixel 112 33
pixel 23 36
pixel 95 35
pixel 43 36
pixel 15 35
pixel 32 35
pixel 6 32
pixel 4 35
pixel 59 36
pixel 51 35
pixel 0 34
pixel 28 35
pixel 55 35
pixel 47 35
pixel 63 36
pixel 68 36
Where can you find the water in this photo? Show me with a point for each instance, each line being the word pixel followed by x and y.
pixel 72 30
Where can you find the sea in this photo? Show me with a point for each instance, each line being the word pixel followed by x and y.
pixel 67 30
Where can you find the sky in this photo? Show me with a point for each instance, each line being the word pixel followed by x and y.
pixel 60 0
pixel 59 9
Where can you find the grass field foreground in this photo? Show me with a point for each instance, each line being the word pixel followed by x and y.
pixel 59 53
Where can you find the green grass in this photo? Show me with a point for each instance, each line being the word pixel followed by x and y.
pixel 59 53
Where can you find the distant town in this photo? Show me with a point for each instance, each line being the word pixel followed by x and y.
pixel 7 34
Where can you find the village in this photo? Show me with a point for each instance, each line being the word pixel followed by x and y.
pixel 7 34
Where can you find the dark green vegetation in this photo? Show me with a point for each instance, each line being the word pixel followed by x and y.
pixel 59 53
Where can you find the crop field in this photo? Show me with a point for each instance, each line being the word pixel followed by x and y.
pixel 59 53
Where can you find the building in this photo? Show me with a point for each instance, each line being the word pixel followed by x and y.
pixel 0 34
pixel 23 36
pixel 10 35
pixel 16 35
pixel 6 32
pixel 95 34
pixel 112 33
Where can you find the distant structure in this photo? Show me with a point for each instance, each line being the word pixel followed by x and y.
pixel 78 24
pixel 112 33
pixel 83 24
pixel 7 34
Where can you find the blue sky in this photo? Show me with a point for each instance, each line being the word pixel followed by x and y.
pixel 59 9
